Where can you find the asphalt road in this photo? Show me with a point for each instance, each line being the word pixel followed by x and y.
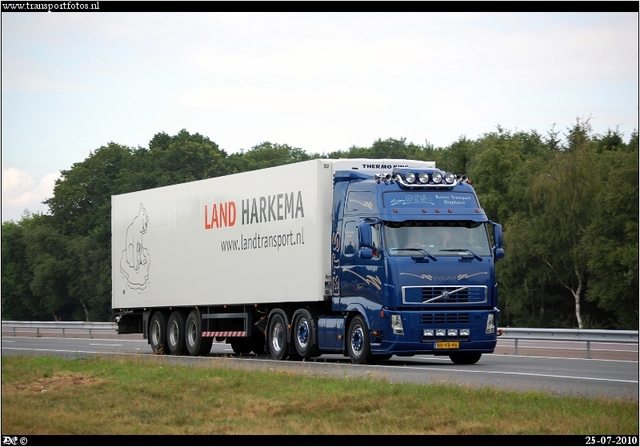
pixel 559 368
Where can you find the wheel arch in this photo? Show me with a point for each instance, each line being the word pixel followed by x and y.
pixel 353 311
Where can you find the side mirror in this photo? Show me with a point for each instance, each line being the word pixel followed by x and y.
pixel 365 240
pixel 497 235
pixel 365 237
pixel 498 251
pixel 366 253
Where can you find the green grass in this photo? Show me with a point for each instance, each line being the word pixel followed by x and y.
pixel 44 395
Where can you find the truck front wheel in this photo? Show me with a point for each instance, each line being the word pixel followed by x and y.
pixel 277 337
pixel 465 358
pixel 358 341
pixel 175 333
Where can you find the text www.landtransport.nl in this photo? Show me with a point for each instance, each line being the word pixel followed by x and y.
pixel 258 241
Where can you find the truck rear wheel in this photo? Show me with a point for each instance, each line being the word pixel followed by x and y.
pixel 175 333
pixel 158 332
pixel 303 335
pixel 277 337
pixel 196 343
pixel 358 341
pixel 465 358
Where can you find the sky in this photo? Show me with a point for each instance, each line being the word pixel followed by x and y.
pixel 322 82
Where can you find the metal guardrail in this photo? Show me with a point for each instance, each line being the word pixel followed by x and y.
pixel 516 334
pixel 60 325
pixel 586 335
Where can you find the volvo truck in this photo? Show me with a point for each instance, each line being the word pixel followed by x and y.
pixel 368 258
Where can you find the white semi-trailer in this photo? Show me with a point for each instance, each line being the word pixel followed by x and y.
pixel 324 256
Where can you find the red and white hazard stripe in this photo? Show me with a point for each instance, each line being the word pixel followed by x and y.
pixel 225 334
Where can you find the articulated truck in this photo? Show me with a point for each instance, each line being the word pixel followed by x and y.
pixel 360 257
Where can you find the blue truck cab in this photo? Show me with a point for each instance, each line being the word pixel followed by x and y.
pixel 413 267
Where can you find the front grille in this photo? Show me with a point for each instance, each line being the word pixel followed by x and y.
pixel 439 295
pixel 445 295
pixel 445 318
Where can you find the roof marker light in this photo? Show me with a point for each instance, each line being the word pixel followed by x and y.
pixel 449 177
pixel 437 177
pixel 410 177
pixel 423 177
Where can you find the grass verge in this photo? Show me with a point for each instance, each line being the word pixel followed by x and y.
pixel 46 396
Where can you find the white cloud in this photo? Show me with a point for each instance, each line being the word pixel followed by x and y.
pixel 21 192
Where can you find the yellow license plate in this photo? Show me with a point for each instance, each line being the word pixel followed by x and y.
pixel 447 344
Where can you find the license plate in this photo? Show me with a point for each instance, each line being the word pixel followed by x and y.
pixel 447 344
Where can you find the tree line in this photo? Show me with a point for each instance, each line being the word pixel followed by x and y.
pixel 568 202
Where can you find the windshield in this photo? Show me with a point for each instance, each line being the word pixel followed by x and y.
pixel 436 238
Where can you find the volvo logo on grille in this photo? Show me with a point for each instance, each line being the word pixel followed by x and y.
pixel 445 295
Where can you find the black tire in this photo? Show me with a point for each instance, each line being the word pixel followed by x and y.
pixel 158 332
pixel 240 345
pixel 304 337
pixel 176 333
pixel 465 358
pixel 196 343
pixel 257 343
pixel 358 345
pixel 277 337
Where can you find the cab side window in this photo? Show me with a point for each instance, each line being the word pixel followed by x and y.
pixel 350 239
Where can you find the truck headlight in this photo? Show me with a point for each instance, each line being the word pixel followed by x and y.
pixel 396 325
pixel 491 324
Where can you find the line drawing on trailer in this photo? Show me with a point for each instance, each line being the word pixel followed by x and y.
pixel 135 260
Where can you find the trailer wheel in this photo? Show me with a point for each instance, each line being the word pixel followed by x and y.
pixel 465 358
pixel 158 332
pixel 303 336
pixel 196 343
pixel 277 337
pixel 175 333
pixel 358 341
